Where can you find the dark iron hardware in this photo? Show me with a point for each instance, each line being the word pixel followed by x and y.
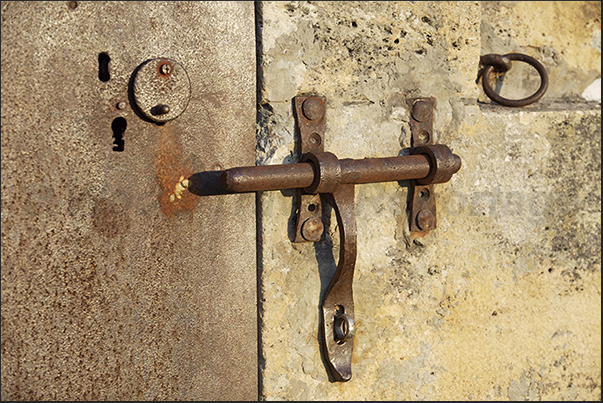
pixel 422 207
pixel 324 172
pixel 320 172
pixel 503 63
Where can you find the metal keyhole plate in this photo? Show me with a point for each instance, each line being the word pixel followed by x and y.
pixel 161 89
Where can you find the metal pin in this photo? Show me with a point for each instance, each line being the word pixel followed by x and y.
pixel 161 110
pixel 165 69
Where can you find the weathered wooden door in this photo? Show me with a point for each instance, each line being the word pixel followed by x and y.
pixel 115 284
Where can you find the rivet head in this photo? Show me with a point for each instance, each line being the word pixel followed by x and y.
pixel 313 109
pixel 165 69
pixel 312 229
pixel 421 111
pixel 161 110
pixel 121 105
pixel 425 220
pixel 314 139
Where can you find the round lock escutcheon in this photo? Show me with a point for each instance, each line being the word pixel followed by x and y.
pixel 161 89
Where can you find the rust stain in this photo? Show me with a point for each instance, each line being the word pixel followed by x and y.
pixel 109 218
pixel 171 170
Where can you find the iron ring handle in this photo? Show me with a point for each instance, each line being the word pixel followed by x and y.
pixel 501 63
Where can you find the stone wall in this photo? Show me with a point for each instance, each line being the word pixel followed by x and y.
pixel 502 300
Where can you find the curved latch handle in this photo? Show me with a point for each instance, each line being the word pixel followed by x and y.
pixel 338 326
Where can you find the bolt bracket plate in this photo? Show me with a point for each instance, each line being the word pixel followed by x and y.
pixel 311 139
pixel 422 209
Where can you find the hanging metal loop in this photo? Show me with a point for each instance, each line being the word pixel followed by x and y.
pixel 503 63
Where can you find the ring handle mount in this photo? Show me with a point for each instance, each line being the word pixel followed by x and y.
pixel 502 63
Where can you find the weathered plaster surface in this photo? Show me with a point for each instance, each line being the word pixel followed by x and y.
pixel 502 300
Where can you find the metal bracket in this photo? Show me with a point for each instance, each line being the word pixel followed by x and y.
pixel 422 216
pixel 310 118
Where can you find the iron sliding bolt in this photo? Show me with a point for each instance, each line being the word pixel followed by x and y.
pixel 325 173
pixel 430 164
pixel 322 173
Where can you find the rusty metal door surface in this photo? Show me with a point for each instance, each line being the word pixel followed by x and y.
pixel 115 285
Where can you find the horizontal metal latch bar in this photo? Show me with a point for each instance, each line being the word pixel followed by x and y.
pixel 301 175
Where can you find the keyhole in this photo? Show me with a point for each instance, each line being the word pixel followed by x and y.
pixel 119 127
pixel 103 67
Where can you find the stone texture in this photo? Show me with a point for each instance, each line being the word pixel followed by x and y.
pixel 502 300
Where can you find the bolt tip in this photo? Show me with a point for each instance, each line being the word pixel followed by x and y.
pixel 457 163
